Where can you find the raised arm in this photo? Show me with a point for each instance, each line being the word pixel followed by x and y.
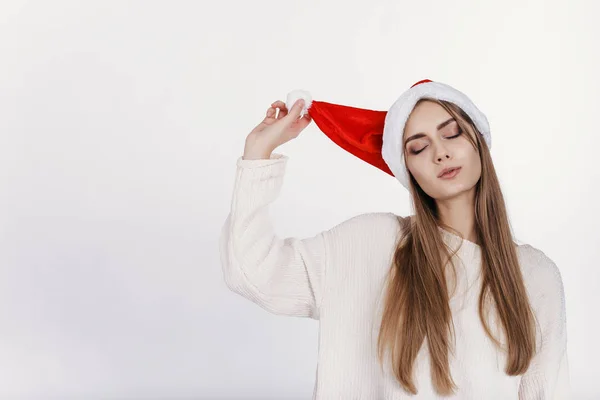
pixel 282 275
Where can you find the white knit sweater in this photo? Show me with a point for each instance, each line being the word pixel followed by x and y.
pixel 337 277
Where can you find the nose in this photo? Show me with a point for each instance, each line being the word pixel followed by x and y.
pixel 441 152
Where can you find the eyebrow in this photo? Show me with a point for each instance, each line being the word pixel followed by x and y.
pixel 421 134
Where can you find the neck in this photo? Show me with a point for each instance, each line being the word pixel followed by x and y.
pixel 459 213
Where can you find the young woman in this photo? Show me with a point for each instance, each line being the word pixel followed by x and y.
pixel 439 304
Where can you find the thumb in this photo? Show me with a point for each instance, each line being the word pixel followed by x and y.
pixel 294 113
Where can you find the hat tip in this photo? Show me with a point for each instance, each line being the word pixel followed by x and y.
pixel 421 81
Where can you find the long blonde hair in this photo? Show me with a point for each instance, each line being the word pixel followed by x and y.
pixel 416 300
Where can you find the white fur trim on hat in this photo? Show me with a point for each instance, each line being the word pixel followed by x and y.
pixel 399 112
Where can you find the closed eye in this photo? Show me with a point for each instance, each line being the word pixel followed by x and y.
pixel 449 137
pixel 455 136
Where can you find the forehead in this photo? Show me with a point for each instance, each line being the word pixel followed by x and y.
pixel 425 117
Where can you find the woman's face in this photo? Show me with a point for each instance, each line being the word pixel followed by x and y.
pixel 440 143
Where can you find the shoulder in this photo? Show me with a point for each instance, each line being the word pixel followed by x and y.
pixel 362 246
pixel 371 230
pixel 370 223
pixel 540 273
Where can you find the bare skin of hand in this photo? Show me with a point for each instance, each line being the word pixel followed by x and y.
pixel 275 129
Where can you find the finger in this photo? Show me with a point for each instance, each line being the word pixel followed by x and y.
pixel 270 116
pixel 283 111
pixel 268 119
pixel 299 125
pixel 295 111
pixel 304 121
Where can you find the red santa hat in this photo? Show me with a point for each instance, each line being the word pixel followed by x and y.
pixel 376 136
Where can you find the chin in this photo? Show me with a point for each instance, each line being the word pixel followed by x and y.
pixel 449 190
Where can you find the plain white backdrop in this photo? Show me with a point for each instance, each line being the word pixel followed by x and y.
pixel 120 126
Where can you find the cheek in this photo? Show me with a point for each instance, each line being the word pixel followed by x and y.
pixel 421 169
pixel 473 156
pixel 472 161
pixel 464 151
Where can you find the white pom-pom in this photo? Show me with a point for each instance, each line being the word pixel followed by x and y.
pixel 296 95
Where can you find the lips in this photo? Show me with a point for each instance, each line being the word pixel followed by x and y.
pixel 448 171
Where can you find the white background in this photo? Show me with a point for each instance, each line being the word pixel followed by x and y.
pixel 120 125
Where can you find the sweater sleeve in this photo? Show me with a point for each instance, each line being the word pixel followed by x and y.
pixel 282 275
pixel 548 375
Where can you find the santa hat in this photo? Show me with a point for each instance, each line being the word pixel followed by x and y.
pixel 376 136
